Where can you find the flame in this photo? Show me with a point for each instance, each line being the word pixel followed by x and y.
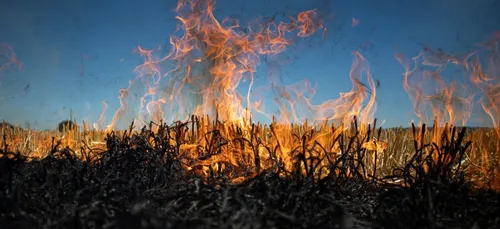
pixel 211 61
pixel 8 58
pixel 447 104
pixel 342 110
pixel 208 63
pixel 488 80
pixel 206 76
pixel 452 102
pixel 355 22
pixel 100 123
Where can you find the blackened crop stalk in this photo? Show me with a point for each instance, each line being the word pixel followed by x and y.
pixel 168 153
pixel 5 144
pixel 447 164
pixel 368 139
pixel 9 167
pixel 253 143
pixel 434 176
pixel 214 143
pixel 304 154
pixel 351 157
pixel 359 151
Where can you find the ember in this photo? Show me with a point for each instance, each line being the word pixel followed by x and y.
pixel 194 157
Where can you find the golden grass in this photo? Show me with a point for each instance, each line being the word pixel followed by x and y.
pixel 38 143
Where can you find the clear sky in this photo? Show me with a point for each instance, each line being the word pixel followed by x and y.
pixel 78 53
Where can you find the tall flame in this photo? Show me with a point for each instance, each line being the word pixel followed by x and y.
pixel 488 80
pixel 208 63
pixel 426 87
pixel 448 103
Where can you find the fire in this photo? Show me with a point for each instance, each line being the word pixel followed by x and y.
pixel 355 22
pixel 207 66
pixel 8 58
pixel 447 104
pixel 208 63
pixel 488 80
pixel 207 80
pixel 451 102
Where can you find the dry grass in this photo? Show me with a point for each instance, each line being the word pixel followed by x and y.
pixel 223 175
pixel 38 143
pixel 212 145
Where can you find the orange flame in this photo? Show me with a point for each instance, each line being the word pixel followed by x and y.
pixel 8 58
pixel 342 110
pixel 447 104
pixel 488 80
pixel 355 22
pixel 450 104
pixel 210 61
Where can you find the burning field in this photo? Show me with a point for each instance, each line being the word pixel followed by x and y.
pixel 194 157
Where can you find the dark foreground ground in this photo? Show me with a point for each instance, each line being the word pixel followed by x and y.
pixel 137 185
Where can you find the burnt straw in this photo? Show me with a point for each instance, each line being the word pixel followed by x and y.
pixel 152 179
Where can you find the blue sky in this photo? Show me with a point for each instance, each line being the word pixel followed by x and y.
pixel 52 37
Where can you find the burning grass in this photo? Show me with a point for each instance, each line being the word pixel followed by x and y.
pixel 210 174
pixel 233 173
